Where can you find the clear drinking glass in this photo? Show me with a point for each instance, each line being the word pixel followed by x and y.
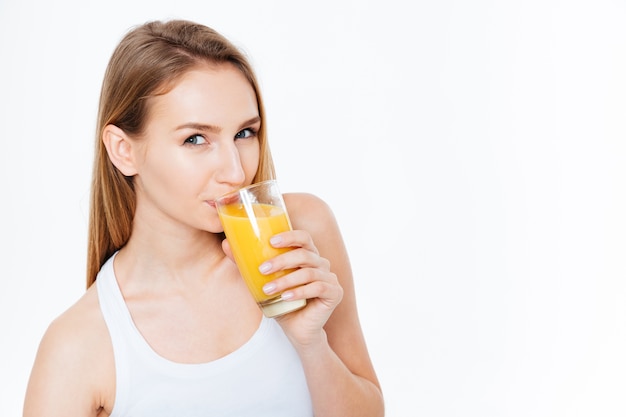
pixel 250 217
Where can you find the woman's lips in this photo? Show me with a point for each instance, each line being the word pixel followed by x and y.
pixel 229 198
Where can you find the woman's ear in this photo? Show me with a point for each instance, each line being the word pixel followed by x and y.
pixel 119 148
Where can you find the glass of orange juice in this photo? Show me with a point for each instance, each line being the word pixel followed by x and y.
pixel 250 217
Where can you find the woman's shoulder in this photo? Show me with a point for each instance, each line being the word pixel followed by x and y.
pixel 77 334
pixel 79 320
pixel 73 355
pixel 309 212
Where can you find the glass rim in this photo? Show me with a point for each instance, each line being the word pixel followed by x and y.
pixel 247 187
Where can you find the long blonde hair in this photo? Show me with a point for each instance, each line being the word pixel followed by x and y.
pixel 147 60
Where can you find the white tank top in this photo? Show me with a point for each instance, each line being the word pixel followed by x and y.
pixel 263 378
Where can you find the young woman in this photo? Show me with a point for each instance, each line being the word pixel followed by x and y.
pixel 167 326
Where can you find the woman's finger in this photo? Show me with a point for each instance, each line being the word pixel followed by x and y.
pixel 298 278
pixel 294 238
pixel 293 259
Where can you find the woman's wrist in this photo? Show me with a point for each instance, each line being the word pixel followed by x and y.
pixel 313 347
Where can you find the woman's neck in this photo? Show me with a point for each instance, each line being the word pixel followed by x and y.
pixel 162 254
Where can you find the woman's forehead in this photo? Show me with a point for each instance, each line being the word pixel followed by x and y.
pixel 208 95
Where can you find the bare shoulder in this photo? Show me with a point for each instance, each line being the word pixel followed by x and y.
pixel 81 326
pixel 73 373
pixel 309 212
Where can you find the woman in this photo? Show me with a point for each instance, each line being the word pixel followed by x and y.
pixel 168 327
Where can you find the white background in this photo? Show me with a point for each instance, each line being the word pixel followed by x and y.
pixel 473 151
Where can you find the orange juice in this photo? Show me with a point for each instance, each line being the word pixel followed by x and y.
pixel 249 241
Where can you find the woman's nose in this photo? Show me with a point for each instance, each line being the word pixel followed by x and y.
pixel 230 168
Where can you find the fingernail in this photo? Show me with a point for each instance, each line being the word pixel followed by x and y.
pixel 286 295
pixel 265 267
pixel 269 288
pixel 276 240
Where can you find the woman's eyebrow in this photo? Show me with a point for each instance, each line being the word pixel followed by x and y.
pixel 254 120
pixel 215 129
pixel 199 126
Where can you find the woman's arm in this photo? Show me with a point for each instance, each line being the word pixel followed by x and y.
pixel 339 371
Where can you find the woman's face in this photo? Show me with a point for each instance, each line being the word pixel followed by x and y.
pixel 200 142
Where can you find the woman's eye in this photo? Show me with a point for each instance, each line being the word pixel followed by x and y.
pixel 195 140
pixel 245 133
